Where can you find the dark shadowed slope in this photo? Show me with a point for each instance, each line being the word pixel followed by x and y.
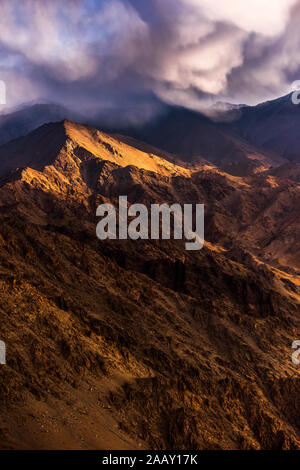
pixel 288 170
pixel 194 137
pixel 273 126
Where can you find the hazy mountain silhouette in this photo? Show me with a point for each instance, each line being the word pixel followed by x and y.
pixel 24 120
pixel 273 126
pixel 195 137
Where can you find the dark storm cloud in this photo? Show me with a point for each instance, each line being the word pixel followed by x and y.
pixel 125 57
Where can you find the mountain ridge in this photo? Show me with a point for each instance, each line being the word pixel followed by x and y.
pixel 186 134
pixel 69 157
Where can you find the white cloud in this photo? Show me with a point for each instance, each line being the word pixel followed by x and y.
pixel 63 37
pixel 180 50
pixel 260 16
pixel 209 44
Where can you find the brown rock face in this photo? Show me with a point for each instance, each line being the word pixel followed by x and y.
pixel 142 344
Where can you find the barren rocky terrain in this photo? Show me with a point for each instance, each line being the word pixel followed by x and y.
pixel 141 344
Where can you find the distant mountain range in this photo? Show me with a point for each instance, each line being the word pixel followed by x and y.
pixel 273 126
pixel 194 137
pixel 25 119
pixel 268 130
pixel 247 139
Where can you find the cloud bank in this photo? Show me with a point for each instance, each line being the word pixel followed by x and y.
pixel 127 57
